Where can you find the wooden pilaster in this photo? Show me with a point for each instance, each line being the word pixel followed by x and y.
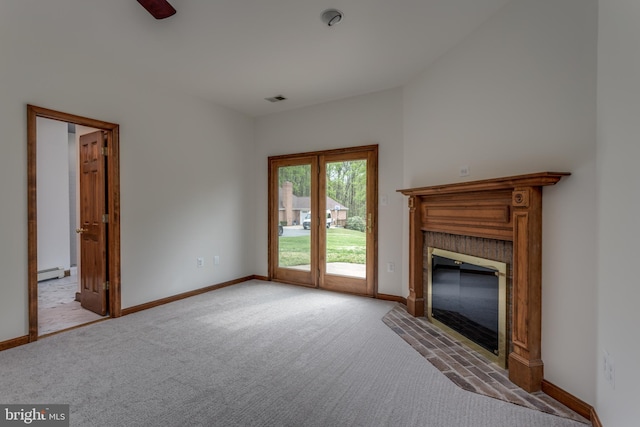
pixel 415 300
pixel 525 362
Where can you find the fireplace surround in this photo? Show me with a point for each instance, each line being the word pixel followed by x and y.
pixel 501 209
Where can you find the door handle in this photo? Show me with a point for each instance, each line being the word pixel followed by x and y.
pixel 81 230
pixel 369 223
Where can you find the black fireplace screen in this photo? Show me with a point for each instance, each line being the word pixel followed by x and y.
pixel 465 297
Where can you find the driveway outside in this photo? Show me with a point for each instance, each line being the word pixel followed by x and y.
pixel 295 231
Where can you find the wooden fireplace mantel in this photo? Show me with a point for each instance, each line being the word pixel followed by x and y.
pixel 508 208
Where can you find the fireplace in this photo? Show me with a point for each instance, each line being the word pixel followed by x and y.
pixel 497 210
pixel 466 297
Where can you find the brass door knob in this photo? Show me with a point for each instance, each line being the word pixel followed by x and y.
pixel 81 230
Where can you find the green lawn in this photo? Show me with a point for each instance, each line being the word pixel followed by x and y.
pixel 342 246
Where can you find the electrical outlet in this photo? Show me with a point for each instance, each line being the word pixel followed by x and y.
pixel 465 171
pixel 391 267
pixel 200 262
pixel 216 260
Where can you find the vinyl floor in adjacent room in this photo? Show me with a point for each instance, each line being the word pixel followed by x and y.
pixel 57 307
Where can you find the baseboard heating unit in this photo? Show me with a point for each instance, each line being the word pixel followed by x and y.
pixel 51 273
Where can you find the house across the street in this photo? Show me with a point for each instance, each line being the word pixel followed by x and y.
pixel 293 209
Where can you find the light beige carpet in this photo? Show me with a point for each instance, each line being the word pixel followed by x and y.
pixel 252 354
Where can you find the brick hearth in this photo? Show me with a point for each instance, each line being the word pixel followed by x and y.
pixel 467 368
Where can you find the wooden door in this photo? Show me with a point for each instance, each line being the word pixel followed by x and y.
pixel 347 251
pixel 293 190
pixel 93 227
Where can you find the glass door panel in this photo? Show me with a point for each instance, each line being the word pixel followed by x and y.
pixel 346 218
pixel 347 196
pixel 293 194
pixel 294 225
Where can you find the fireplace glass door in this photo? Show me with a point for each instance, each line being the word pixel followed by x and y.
pixel 465 296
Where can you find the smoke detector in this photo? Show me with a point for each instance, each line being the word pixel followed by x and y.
pixel 331 17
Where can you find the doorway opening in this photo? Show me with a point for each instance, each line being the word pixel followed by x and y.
pixel 85 268
pixel 323 219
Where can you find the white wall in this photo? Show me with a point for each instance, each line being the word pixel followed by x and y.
pixel 516 97
pixel 619 209
pixel 187 193
pixel 53 194
pixel 363 120
pixel 186 181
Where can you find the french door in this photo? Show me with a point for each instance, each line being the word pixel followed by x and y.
pixel 323 219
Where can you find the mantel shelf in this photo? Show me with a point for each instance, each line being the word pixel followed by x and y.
pixel 530 180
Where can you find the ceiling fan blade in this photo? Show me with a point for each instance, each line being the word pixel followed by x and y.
pixel 160 9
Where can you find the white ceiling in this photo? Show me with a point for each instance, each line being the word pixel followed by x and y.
pixel 238 52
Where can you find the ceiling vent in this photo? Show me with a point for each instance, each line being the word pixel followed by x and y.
pixel 276 98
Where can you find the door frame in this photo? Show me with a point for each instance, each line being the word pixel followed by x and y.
pixel 113 201
pixel 372 191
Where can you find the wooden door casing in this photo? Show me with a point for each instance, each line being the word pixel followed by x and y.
pixel 113 203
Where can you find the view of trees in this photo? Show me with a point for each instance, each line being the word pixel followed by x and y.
pixel 346 183
pixel 299 176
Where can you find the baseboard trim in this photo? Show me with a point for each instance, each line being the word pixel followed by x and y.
pixel 571 402
pixel 394 298
pixel 595 421
pixel 14 342
pixel 162 301
pixel 263 278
